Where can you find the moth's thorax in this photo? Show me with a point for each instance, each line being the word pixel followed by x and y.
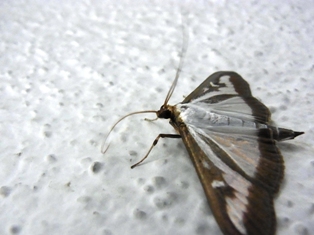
pixel 196 115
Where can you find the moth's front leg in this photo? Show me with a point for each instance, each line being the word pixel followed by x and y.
pixel 154 143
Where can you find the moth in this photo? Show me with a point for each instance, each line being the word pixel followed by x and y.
pixel 232 145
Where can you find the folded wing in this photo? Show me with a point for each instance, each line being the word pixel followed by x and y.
pixel 225 130
pixel 239 180
pixel 226 92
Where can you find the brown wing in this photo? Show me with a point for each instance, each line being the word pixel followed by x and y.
pixel 240 203
pixel 226 91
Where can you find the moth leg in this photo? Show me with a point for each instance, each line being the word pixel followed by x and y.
pixel 154 143
pixel 150 120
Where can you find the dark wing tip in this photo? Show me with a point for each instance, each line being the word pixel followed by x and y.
pixel 297 133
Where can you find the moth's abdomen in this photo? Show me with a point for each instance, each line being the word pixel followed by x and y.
pixel 200 118
pixel 281 134
pixel 208 119
pixel 223 120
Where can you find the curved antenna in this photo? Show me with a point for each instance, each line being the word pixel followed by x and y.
pixel 111 129
pixel 182 55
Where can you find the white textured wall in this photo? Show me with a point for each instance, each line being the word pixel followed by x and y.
pixel 69 69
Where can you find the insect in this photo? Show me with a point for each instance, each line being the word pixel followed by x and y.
pixel 227 134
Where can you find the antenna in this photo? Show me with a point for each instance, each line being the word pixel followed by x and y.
pixel 169 94
pixel 103 149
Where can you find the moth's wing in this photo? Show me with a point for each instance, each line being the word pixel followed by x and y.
pixel 240 166
pixel 240 175
pixel 228 93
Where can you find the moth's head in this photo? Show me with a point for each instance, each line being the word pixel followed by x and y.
pixel 164 112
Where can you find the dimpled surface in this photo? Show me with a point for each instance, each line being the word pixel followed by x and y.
pixel 69 70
